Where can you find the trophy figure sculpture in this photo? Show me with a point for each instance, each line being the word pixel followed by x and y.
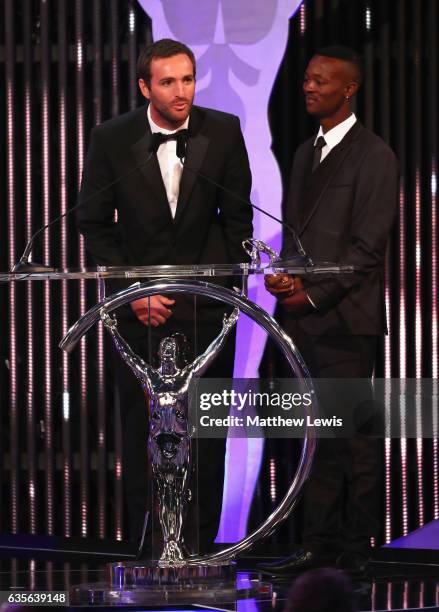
pixel 169 438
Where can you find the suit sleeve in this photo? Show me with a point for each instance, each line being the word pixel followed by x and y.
pixel 374 211
pixel 96 212
pixel 236 217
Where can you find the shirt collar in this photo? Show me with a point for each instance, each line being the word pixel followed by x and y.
pixel 336 134
pixel 156 128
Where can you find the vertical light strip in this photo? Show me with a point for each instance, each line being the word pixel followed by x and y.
pixel 434 266
pixel 402 289
pixel 83 408
pixel 30 365
pixel 49 576
pixel 432 122
pixel 435 450
pixel 418 271
pixel 47 319
pixel 118 490
pixel 387 409
pixel 387 461
pixel 114 58
pixel 434 334
pixel 273 488
pixel 32 585
pixel 416 92
pixel 401 114
pixel 403 362
pixel 115 86
pixel 97 61
pixel 389 596
pixel 132 55
pixel 419 451
pixel 368 18
pixel 405 595
pixel 302 15
pixel 387 301
pixel 63 203
pixel 12 357
pixel 385 104
pixel 418 348
pixel 100 354
pixel 421 594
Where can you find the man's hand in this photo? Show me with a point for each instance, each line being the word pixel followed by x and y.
pixel 152 311
pixel 282 285
pixel 289 291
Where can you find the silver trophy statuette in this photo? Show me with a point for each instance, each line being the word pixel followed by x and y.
pixel 169 442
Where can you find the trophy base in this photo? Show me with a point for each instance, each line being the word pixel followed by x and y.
pixel 145 583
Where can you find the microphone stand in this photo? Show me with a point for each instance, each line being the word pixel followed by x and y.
pixel 24 265
pixel 303 257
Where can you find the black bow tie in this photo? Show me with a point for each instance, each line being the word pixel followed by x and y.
pixel 159 138
pixel 179 135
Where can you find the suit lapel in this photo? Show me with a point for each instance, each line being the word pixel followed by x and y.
pixel 322 177
pixel 300 183
pixel 195 152
pixel 151 170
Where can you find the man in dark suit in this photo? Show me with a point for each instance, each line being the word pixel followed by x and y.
pixel 342 202
pixel 167 215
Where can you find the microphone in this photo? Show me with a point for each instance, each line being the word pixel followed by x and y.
pixel 24 265
pixel 182 138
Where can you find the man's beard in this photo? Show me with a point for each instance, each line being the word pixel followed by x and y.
pixel 176 121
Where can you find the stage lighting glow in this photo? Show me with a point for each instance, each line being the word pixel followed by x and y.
pixel 302 16
pixel 368 18
pixel 403 355
pixel 418 344
pixel 273 488
pixel 30 413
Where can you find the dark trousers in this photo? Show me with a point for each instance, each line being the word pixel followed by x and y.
pixel 208 455
pixel 341 497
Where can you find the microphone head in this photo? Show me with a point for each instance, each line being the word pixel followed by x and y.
pixel 182 138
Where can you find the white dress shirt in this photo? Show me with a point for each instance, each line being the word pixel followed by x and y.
pixel 336 135
pixel 170 166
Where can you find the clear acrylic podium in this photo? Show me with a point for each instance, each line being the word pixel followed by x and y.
pixel 195 577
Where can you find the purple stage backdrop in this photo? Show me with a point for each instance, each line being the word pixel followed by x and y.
pixel 238 47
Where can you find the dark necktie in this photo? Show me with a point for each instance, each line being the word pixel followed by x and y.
pixel 321 142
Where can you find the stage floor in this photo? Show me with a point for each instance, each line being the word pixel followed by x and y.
pixel 388 587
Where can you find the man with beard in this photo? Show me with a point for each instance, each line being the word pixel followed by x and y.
pixel 342 203
pixel 167 215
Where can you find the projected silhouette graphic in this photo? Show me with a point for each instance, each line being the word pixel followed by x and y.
pixel 239 47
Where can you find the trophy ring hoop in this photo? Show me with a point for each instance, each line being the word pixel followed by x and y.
pixel 284 343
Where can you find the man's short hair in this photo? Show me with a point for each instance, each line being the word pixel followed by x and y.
pixel 347 55
pixel 161 48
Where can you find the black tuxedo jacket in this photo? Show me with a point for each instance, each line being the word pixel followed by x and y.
pixel 209 225
pixel 343 213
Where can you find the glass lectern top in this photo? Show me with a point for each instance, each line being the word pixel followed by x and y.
pixel 292 266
